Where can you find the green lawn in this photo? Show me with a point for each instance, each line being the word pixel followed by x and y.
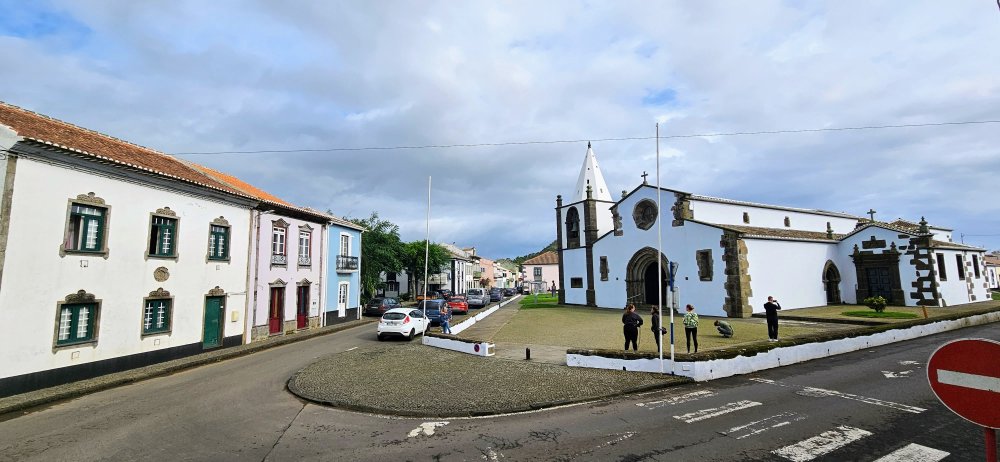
pixel 995 295
pixel 600 328
pixel 837 311
pixel 875 314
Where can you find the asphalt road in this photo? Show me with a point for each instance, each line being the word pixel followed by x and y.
pixel 859 406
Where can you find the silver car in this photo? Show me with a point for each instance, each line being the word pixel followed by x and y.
pixel 477 298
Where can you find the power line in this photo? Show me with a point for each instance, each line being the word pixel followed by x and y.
pixel 630 138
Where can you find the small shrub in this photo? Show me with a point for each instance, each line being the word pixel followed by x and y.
pixel 404 297
pixel 876 303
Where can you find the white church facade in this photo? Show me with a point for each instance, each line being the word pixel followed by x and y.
pixel 733 254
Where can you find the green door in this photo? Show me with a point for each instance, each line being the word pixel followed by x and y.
pixel 212 337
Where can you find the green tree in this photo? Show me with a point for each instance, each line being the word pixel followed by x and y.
pixel 413 262
pixel 381 251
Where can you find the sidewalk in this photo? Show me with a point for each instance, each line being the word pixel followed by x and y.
pixel 488 328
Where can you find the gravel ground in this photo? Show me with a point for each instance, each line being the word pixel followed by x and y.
pixel 394 379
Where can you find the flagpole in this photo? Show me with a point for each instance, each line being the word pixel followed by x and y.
pixel 427 249
pixel 659 258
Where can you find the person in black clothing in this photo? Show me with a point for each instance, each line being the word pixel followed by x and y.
pixel 654 325
pixel 771 308
pixel 632 321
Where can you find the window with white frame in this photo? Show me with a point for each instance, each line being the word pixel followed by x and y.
pixel 345 245
pixel 85 231
pixel 162 236
pixel 342 295
pixel 156 316
pixel 218 242
pixel 538 273
pixel 77 322
pixel 279 232
pixel 305 248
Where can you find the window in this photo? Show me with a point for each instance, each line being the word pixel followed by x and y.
pixel 218 242
pixel 156 316
pixel 86 228
pixel 76 323
pixel 279 232
pixel 604 268
pixel 305 248
pixel 942 274
pixel 704 260
pixel 746 217
pixel 342 296
pixel 162 237
pixel 538 273
pixel 345 245
pixel 975 266
pixel 576 283
pixel 572 228
pixel 961 266
pixel 788 222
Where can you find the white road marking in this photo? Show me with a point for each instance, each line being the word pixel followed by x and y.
pixel 352 348
pixel 821 444
pixel 427 428
pixel 677 399
pixel 822 393
pixel 896 375
pixel 613 442
pixel 962 379
pixel 703 414
pixel 763 425
pixel 915 453
pixel 492 455
pixel 908 363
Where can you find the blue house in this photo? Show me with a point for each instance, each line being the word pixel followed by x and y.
pixel 343 290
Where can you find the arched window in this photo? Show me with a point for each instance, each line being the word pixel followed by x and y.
pixel 572 228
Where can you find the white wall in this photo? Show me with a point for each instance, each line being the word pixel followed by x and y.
pixel 953 290
pixel 605 221
pixel 562 224
pixel 792 272
pixel 36 278
pixel 762 217
pixel 574 265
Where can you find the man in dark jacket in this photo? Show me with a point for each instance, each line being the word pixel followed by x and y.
pixel 631 322
pixel 771 309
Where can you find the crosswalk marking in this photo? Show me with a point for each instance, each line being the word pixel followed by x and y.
pixel 822 392
pixel 716 411
pixel 763 425
pixel 821 444
pixel 677 399
pixel 914 453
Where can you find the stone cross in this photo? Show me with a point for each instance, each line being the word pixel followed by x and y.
pixel 644 175
pixel 872 212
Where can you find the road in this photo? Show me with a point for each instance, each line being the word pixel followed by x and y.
pixel 860 406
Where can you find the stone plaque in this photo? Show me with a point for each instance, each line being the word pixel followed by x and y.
pixel 161 274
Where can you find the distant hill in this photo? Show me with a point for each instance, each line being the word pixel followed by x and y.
pixel 519 260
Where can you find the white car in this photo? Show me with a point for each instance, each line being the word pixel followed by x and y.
pixel 403 322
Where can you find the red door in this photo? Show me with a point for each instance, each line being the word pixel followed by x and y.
pixel 302 307
pixel 276 314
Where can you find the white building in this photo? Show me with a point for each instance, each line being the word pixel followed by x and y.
pixel 733 254
pixel 112 255
pixel 543 271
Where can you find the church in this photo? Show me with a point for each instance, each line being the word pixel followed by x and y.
pixel 732 254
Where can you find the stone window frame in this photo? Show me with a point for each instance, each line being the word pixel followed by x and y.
pixel 75 301
pixel 746 217
pixel 164 214
pixel 960 261
pixel 572 228
pixel 645 214
pixel 975 266
pixel 227 233
pixel 604 268
pixel 158 294
pixel 788 222
pixel 279 248
pixel 706 269
pixel 91 200
pixel 576 283
pixel 942 272
pixel 304 261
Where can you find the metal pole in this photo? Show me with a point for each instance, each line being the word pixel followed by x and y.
pixel 427 248
pixel 991 444
pixel 659 261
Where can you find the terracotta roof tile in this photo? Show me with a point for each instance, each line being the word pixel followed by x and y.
pixel 783 233
pixel 547 258
pixel 239 184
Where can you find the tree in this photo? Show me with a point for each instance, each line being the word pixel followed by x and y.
pixel 381 251
pixel 413 261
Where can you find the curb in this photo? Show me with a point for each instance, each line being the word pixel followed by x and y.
pixel 31 399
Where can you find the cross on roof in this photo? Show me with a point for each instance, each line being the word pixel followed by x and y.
pixel 872 212
pixel 644 175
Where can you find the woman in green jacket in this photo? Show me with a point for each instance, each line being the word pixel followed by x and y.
pixel 691 328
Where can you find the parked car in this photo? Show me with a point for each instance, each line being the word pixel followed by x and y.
pixel 458 305
pixel 379 305
pixel 509 292
pixel 433 310
pixel 431 296
pixel 526 289
pixel 402 322
pixel 496 295
pixel 445 293
pixel 477 298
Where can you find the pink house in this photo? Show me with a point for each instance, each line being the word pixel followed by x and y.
pixel 543 271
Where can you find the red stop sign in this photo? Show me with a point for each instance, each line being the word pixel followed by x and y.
pixel 965 376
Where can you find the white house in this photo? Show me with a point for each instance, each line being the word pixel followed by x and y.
pixel 112 255
pixel 733 254
pixel 543 271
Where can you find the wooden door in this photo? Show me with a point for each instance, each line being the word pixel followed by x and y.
pixel 879 282
pixel 302 307
pixel 212 335
pixel 276 313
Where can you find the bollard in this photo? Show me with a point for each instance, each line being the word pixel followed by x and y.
pixel 527 353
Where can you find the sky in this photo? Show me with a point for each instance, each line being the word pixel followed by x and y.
pixel 317 77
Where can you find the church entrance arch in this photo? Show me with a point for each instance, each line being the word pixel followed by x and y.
pixel 641 278
pixel 831 282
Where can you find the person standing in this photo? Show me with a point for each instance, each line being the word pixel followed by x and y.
pixel 654 325
pixel 691 328
pixel 631 321
pixel 771 309
pixel 724 328
pixel 445 319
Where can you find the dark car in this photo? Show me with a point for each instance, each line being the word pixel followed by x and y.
pixel 445 293
pixel 379 305
pixel 433 310
pixel 509 292
pixel 496 295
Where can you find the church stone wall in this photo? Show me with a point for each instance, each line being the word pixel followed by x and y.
pixel 763 217
pixel 876 240
pixel 792 272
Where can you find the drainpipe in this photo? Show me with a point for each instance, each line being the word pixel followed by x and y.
pixel 361 235
pixel 322 273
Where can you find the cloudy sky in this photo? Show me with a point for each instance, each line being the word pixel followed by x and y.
pixel 317 76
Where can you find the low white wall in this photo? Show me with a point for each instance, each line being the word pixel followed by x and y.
pixel 781 356
pixel 457 328
pixel 478 348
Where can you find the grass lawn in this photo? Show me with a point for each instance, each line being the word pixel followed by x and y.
pixel 837 311
pixel 594 328
pixel 995 295
pixel 875 314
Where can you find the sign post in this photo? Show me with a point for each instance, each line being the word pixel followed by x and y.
pixel 965 375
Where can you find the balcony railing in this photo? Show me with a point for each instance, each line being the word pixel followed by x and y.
pixel 305 261
pixel 279 259
pixel 347 263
